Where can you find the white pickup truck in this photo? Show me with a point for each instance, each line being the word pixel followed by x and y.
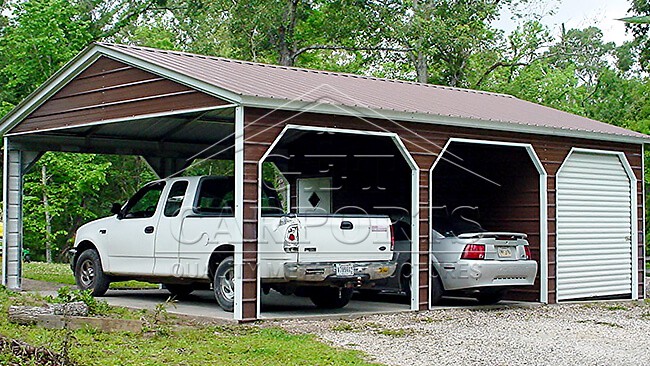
pixel 182 232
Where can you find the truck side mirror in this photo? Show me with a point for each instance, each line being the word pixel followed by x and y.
pixel 116 208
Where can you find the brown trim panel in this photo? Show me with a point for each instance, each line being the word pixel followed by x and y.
pixel 109 90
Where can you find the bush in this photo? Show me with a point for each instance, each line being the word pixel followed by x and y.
pixel 95 307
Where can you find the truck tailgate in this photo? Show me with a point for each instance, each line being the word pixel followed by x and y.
pixel 342 238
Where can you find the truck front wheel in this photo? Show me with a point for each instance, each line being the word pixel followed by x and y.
pixel 331 297
pixel 224 284
pixel 88 273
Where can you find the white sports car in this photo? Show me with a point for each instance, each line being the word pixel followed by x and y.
pixel 468 259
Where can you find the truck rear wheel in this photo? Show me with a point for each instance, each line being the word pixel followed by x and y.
pixel 331 297
pixel 224 284
pixel 89 275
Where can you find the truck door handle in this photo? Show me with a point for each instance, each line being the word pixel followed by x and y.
pixel 346 225
pixel 148 230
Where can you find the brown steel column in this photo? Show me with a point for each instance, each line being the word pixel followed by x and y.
pixel 249 281
pixel 423 247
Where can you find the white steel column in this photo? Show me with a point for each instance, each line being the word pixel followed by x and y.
pixel 12 217
pixel 239 211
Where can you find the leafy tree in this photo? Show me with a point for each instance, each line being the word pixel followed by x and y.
pixel 40 37
pixel 78 188
pixel 640 28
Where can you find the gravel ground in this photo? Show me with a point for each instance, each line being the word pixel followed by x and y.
pixel 609 333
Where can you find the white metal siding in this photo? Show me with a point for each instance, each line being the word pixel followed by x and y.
pixel 594 227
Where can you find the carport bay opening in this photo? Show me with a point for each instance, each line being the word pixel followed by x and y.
pixel 499 185
pixel 344 172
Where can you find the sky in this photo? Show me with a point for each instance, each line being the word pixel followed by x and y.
pixel 579 14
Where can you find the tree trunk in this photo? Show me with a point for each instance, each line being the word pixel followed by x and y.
pixel 30 314
pixel 421 67
pixel 418 57
pixel 48 218
pixel 286 43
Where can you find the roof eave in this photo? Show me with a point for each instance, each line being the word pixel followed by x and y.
pixel 405 116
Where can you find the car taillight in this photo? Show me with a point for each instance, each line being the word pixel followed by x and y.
pixel 527 250
pixel 392 238
pixel 474 251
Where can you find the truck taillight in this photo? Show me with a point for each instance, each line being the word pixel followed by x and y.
pixel 527 251
pixel 474 251
pixel 392 238
pixel 291 239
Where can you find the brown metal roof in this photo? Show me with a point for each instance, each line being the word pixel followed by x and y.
pixel 290 84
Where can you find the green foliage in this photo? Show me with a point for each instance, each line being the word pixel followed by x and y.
pixel 38 39
pixel 79 188
pixel 157 321
pixel 67 295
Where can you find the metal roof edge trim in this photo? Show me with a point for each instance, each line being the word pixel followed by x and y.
pixel 397 116
pixel 52 85
pixel 180 78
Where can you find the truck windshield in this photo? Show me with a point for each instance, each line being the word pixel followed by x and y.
pixel 144 202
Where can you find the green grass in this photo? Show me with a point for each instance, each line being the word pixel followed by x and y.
pixel 61 273
pixel 183 345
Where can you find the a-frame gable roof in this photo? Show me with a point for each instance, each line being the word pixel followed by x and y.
pixel 270 86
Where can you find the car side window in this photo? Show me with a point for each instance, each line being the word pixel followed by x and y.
pixel 216 197
pixel 175 199
pixel 143 204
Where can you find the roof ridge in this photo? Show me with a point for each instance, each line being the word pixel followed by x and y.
pixel 303 69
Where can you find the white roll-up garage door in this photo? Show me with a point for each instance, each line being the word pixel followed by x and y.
pixel 594 227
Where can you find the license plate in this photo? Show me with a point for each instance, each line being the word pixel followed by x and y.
pixel 344 269
pixel 504 252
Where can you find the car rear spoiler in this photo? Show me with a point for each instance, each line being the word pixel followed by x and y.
pixel 493 234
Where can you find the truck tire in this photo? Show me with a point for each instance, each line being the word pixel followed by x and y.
pixel 179 291
pixel 88 273
pixel 490 296
pixel 436 289
pixel 330 297
pixel 224 284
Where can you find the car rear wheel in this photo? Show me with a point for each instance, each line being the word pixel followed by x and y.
pixel 331 297
pixel 224 284
pixel 405 280
pixel 490 296
pixel 178 290
pixel 89 275
pixel 436 289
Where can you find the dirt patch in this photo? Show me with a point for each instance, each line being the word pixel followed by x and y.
pixel 34 285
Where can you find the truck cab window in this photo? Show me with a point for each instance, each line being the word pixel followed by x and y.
pixel 175 199
pixel 216 197
pixel 143 204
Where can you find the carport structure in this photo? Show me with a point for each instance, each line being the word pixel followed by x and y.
pixel 173 108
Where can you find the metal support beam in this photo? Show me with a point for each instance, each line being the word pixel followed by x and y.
pixel 239 213
pixel 120 146
pixel 16 162
pixel 167 167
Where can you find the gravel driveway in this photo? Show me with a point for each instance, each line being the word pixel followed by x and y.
pixel 611 333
